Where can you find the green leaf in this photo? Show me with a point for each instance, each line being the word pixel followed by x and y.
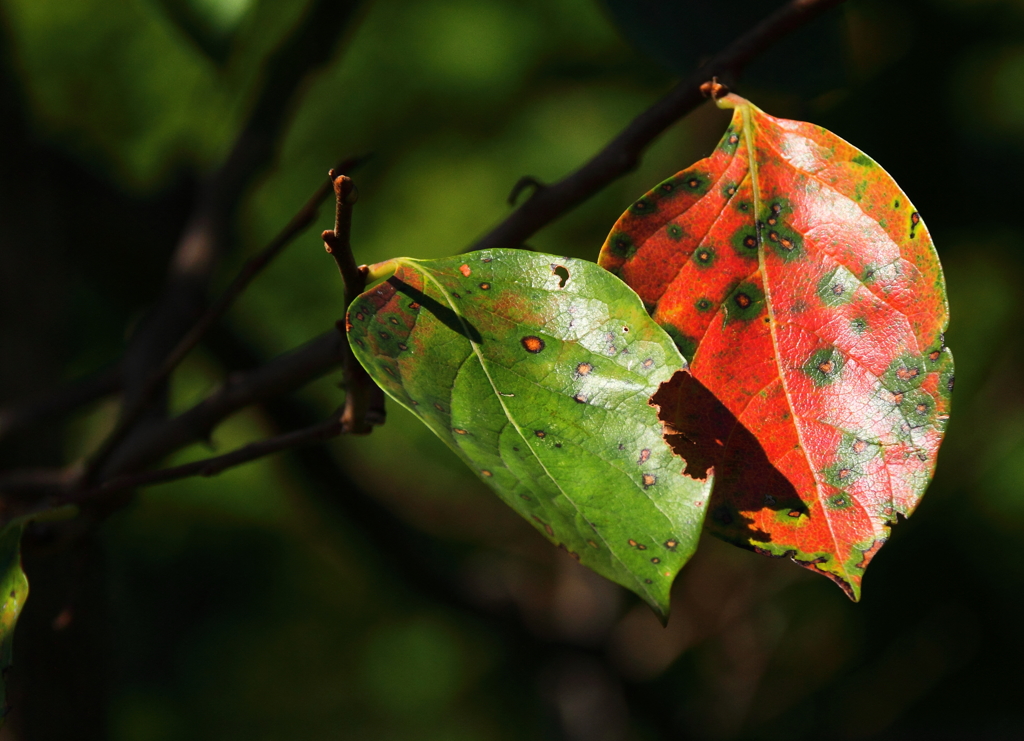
pixel 14 590
pixel 536 370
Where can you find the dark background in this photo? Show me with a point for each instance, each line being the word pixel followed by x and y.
pixel 372 588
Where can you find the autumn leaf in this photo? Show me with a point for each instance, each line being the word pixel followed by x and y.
pixel 803 287
pixel 536 370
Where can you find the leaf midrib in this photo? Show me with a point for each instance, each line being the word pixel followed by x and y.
pixel 748 135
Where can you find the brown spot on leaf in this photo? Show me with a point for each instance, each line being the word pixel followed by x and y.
pixel 655 560
pixel 540 433
pixel 742 300
pixel 671 544
pixel 649 480
pixel 486 473
pixel 826 367
pixel 581 398
pixel 584 369
pixel 460 431
pixel 532 344
pixel 485 286
pixel 644 455
pixel 547 528
pixel 414 306
pixel 859 446
pixel 464 269
pixel 906 374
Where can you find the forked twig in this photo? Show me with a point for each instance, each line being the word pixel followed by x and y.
pixel 298 223
pixel 364 401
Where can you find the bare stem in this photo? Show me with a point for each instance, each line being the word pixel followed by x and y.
pixel 211 466
pixel 298 223
pixel 364 401
pixel 21 415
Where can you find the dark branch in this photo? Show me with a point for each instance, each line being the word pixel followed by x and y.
pixel 309 45
pixel 306 215
pixel 622 154
pixel 146 447
pixel 212 466
pixel 22 415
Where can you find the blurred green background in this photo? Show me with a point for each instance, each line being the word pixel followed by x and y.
pixel 373 588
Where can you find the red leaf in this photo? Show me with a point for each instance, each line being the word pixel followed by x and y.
pixel 803 287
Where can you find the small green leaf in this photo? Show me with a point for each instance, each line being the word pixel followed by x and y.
pixel 14 591
pixel 537 371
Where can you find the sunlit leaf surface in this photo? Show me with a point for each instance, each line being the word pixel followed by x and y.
pixel 537 370
pixel 14 586
pixel 803 287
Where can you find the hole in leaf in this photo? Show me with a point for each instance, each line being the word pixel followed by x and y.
pixel 562 273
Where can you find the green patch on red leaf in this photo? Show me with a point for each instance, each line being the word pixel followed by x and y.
pixel 536 370
pixel 802 285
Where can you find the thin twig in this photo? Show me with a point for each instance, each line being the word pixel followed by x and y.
pixel 310 44
pixel 146 447
pixel 364 401
pixel 285 373
pixel 622 154
pixel 21 415
pixel 298 223
pixel 211 466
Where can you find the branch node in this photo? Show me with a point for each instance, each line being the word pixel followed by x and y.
pixel 364 401
pixel 527 181
pixel 713 89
